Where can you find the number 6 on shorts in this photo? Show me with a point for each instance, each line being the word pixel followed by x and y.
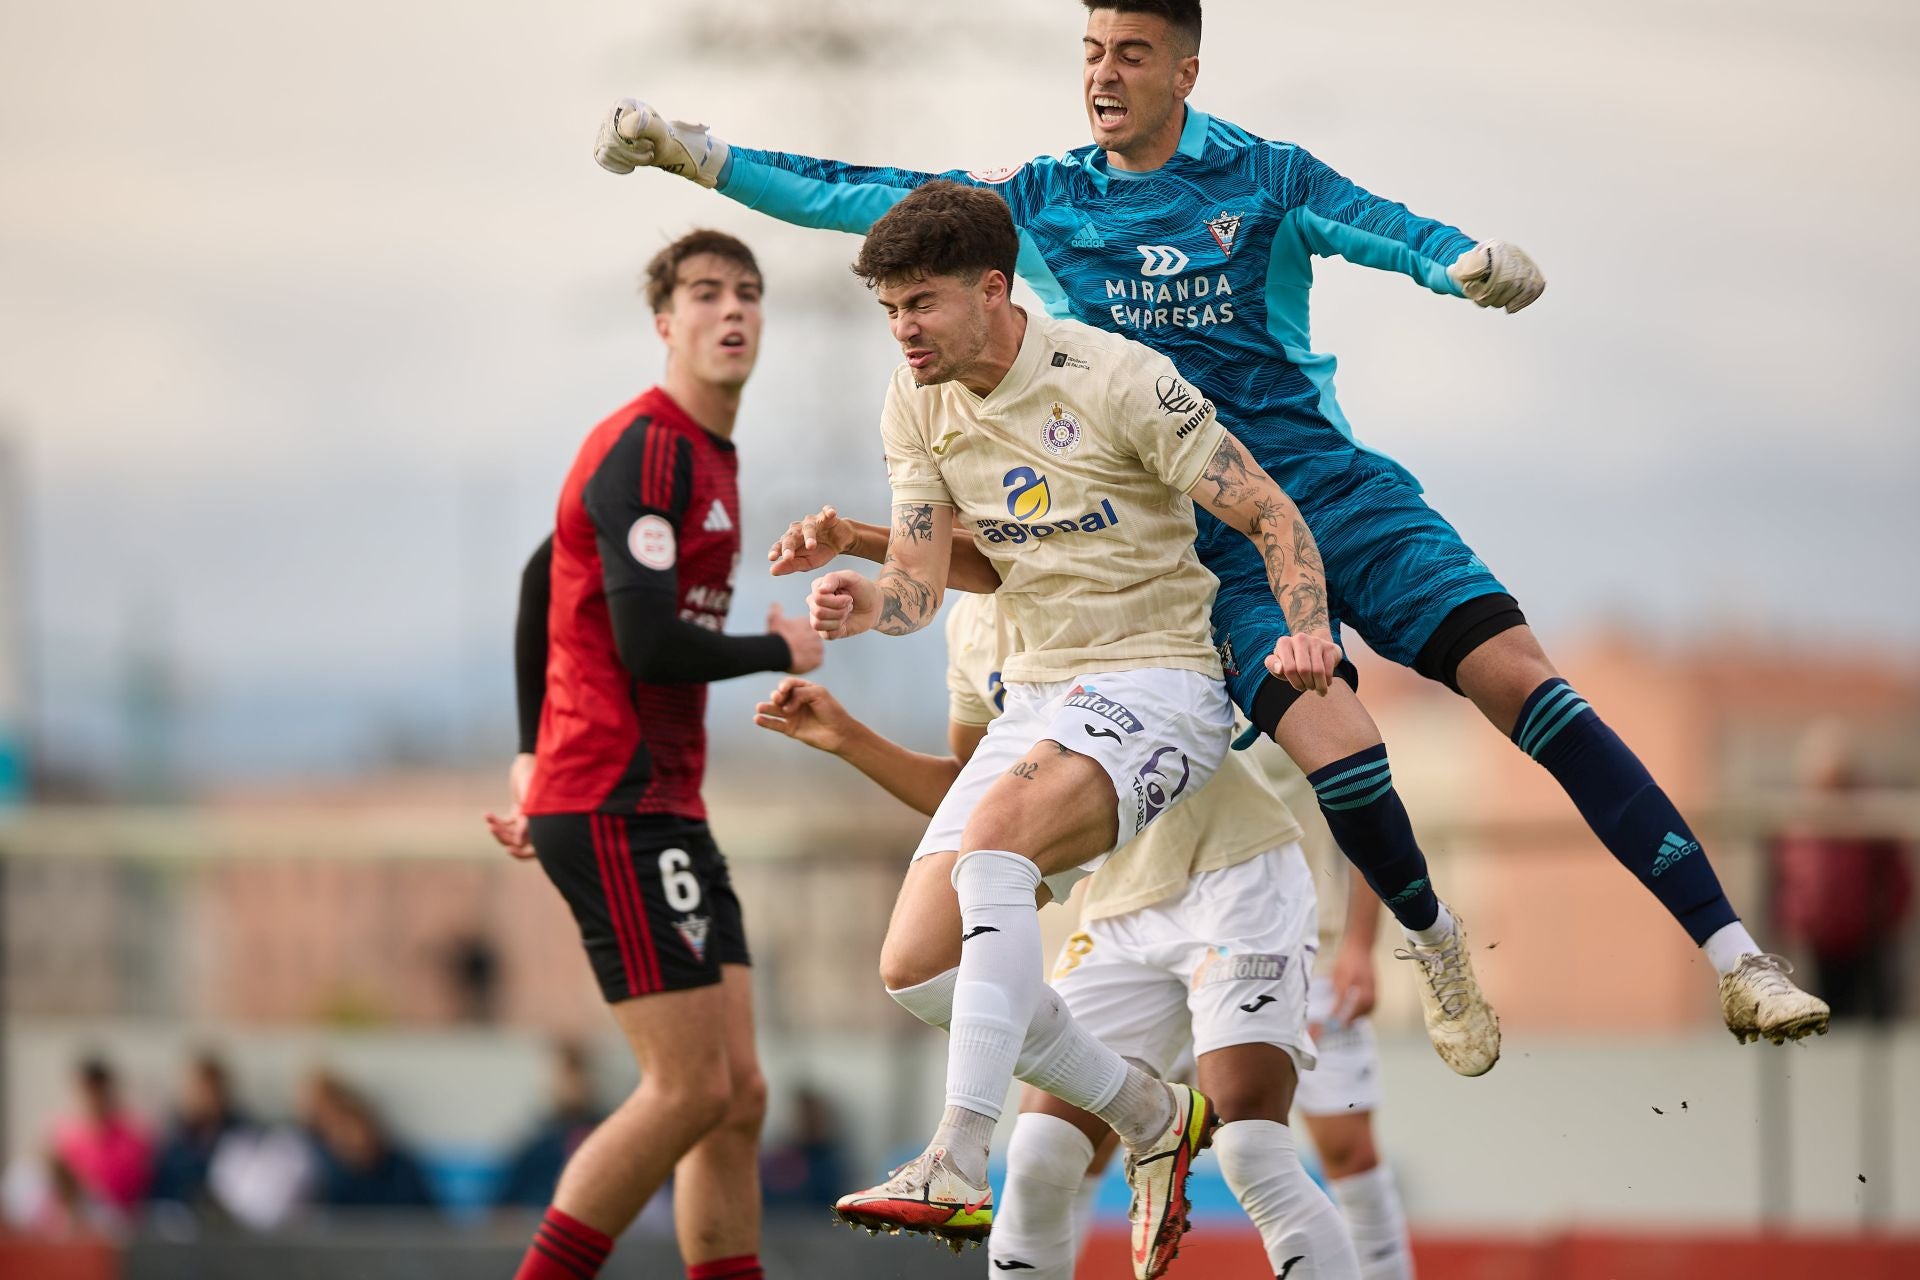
pixel 680 885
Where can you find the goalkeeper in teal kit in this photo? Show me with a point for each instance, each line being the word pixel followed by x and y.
pixel 1197 237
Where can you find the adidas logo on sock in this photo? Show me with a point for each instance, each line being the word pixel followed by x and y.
pixel 1672 849
pixel 1087 237
pixel 717 521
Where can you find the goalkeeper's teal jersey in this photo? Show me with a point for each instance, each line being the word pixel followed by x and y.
pixel 1209 259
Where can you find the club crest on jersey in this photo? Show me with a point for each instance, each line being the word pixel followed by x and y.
pixel 1225 228
pixel 1087 698
pixel 650 541
pixel 693 931
pixel 1061 434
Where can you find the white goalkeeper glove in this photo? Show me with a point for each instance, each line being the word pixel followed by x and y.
pixel 1495 274
pixel 635 136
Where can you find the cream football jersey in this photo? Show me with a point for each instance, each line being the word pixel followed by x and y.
pixel 1072 477
pixel 1236 817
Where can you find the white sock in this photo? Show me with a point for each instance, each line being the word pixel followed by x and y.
pixel 1056 1054
pixel 1304 1236
pixel 1728 945
pixel 1141 1109
pixel 1033 1224
pixel 1002 974
pixel 1434 934
pixel 930 1001
pixel 966 1136
pixel 1059 1056
pixel 1377 1222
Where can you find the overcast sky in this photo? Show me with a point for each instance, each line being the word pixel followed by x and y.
pixel 304 309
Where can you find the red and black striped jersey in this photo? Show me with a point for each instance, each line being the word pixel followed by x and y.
pixel 652 504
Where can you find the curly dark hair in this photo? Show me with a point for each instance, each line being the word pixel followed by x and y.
pixel 664 270
pixel 1182 15
pixel 941 229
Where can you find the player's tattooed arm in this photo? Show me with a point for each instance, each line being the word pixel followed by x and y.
pixel 1242 495
pixel 916 567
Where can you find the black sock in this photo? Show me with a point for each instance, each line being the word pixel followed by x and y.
pixel 1624 805
pixel 1370 825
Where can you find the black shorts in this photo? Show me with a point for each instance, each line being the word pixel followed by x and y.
pixel 652 896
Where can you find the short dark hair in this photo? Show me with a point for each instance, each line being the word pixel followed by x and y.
pixel 664 270
pixel 1182 15
pixel 941 229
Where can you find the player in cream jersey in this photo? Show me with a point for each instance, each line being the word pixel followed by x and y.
pixel 1072 454
pixel 1198 934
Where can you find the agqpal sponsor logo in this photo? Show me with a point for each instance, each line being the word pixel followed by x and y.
pixel 1193 302
pixel 1161 260
pixel 1029 501
pixel 1087 698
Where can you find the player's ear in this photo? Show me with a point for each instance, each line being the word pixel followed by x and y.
pixel 994 285
pixel 663 325
pixel 1185 73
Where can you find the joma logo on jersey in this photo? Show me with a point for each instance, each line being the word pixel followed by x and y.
pixel 1192 302
pixel 1085 697
pixel 1028 502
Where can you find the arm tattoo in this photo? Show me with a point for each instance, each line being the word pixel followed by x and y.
pixel 906 603
pixel 1228 470
pixel 1305 549
pixel 1305 607
pixel 913 522
pixel 1280 533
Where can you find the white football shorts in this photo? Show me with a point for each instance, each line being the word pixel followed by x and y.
pixel 1159 733
pixel 1225 963
pixel 1347 1081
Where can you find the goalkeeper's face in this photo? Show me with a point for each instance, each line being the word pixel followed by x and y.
pixel 1138 71
pixel 941 322
pixel 711 324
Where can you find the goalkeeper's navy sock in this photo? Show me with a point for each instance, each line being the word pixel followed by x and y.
pixel 1370 825
pixel 1623 804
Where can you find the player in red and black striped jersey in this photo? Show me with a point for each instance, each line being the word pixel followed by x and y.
pixel 621 628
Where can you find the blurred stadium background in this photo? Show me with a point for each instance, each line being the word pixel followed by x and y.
pixel 305 311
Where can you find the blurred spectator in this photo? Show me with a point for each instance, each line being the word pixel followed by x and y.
pixel 1843 898
pixel 206 1117
pixel 534 1168
pixel 107 1149
pixel 360 1165
pixel 803 1170
pixel 42 1198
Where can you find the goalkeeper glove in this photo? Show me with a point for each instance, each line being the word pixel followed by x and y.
pixel 1494 274
pixel 634 136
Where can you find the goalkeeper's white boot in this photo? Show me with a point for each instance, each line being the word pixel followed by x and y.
pixel 1462 1025
pixel 1759 1001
